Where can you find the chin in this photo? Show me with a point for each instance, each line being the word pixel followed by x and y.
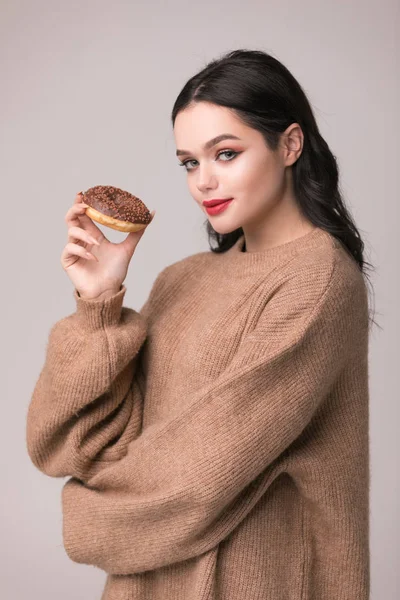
pixel 223 228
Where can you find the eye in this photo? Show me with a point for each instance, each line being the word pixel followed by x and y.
pixel 186 162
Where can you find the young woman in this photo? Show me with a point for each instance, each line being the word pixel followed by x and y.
pixel 217 439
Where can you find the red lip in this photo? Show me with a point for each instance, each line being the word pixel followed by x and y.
pixel 218 208
pixel 215 201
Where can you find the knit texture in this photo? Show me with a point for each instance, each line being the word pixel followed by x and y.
pixel 216 442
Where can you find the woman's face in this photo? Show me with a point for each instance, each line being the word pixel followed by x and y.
pixel 244 169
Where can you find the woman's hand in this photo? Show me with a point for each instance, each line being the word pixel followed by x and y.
pixel 96 266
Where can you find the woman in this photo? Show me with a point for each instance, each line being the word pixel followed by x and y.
pixel 217 440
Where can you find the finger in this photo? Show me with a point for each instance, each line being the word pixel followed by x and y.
pixel 72 249
pixel 72 214
pixel 76 217
pixel 79 234
pixel 91 228
pixel 132 240
pixel 78 198
pixel 133 237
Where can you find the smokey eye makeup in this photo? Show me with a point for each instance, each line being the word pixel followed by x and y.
pixel 225 152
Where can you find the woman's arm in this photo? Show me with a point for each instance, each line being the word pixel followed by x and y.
pixel 87 406
pixel 182 485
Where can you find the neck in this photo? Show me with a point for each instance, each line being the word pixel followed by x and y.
pixel 269 239
pixel 282 222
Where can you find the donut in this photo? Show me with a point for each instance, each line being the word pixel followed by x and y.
pixel 116 208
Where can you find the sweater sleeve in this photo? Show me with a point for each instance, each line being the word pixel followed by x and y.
pixel 87 404
pixel 186 483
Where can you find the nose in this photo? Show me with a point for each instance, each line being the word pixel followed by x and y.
pixel 206 179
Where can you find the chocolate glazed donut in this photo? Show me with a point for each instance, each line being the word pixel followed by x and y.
pixel 115 208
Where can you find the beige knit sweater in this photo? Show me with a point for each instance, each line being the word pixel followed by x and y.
pixel 217 440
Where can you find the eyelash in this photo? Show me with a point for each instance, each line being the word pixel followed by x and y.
pixel 183 164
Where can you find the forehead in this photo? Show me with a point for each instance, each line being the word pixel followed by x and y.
pixel 200 122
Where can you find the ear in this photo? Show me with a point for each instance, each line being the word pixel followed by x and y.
pixel 292 144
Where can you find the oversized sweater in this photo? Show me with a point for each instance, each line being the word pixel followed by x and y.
pixel 217 440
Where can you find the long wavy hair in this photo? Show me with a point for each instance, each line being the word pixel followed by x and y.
pixel 263 93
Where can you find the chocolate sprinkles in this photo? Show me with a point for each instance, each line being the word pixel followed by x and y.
pixel 117 203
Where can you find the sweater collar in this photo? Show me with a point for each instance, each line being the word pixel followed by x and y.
pixel 246 261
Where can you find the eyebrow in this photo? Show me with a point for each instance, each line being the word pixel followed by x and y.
pixel 213 142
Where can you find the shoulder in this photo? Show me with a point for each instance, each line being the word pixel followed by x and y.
pixel 171 278
pixel 322 267
pixel 323 280
pixel 317 297
pixel 186 267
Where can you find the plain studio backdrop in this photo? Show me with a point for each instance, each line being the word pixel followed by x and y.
pixel 87 89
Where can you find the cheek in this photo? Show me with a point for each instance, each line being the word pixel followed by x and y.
pixel 254 175
pixel 193 189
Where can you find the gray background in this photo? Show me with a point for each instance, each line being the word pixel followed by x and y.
pixel 86 94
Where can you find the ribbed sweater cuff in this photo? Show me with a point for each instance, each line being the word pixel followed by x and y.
pixel 95 314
